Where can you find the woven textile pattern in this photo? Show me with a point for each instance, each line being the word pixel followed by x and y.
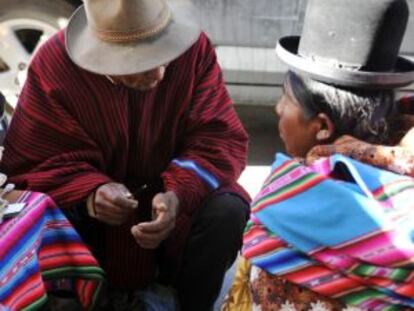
pixel 348 238
pixel 40 251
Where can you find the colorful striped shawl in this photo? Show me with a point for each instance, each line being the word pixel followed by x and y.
pixel 351 241
pixel 41 251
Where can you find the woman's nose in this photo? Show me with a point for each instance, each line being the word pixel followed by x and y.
pixel 279 108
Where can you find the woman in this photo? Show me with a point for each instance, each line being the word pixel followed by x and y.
pixel 318 120
pixel 332 227
pixel 313 113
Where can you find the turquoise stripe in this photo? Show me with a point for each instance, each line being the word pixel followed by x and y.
pixel 207 177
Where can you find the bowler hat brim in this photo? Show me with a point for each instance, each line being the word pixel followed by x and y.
pixel 287 50
pixel 92 54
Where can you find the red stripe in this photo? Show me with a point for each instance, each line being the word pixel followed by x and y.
pixel 405 290
pixel 290 193
pixel 337 286
pixel 85 290
pixel 27 293
pixel 263 248
pixel 307 274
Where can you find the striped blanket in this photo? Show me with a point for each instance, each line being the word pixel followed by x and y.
pixel 349 239
pixel 40 252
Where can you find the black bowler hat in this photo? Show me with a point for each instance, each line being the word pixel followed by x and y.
pixel 352 43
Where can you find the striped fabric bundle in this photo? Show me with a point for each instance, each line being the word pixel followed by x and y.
pixel 40 251
pixel 349 240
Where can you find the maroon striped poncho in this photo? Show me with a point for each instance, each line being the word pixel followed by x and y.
pixel 74 130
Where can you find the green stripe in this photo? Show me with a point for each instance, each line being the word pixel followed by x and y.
pixel 85 272
pixel 303 180
pixel 392 190
pixel 249 225
pixel 37 304
pixel 363 270
pixel 359 297
pixel 400 275
pixel 397 274
pixel 394 308
pixel 286 170
pixel 96 296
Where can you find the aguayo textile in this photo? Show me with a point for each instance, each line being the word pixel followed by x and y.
pixel 40 252
pixel 340 228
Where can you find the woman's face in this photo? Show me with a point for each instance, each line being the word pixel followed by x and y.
pixel 296 131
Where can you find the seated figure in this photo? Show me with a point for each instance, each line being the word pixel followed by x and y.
pixel 125 121
pixel 331 227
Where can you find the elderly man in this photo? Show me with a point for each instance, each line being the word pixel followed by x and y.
pixel 125 121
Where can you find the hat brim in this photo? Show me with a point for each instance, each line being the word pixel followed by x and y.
pixel 287 50
pixel 95 55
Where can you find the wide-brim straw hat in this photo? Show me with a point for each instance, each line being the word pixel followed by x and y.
pixel 351 43
pixel 122 37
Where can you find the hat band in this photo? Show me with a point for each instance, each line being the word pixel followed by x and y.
pixel 134 35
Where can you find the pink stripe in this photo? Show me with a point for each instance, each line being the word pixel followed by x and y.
pixel 284 180
pixel 322 166
pixel 11 233
pixel 334 258
pixel 379 250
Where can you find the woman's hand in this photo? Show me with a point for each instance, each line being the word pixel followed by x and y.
pixel 149 235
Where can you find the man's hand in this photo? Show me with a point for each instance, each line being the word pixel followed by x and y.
pixel 113 204
pixel 164 209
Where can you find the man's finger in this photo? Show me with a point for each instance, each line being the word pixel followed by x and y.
pixel 149 245
pixel 160 201
pixel 120 199
pixel 148 240
pixel 110 219
pixel 150 236
pixel 110 213
pixel 126 202
pixel 161 223
pixel 117 194
pixel 102 204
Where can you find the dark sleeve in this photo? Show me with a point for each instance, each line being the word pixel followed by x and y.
pixel 45 148
pixel 214 148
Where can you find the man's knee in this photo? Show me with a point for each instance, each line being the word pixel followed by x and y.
pixel 225 210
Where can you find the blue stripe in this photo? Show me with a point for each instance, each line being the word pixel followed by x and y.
pixel 52 236
pixel 14 254
pixel 30 269
pixel 207 177
pixel 282 261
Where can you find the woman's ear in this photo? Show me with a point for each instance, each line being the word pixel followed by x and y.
pixel 325 128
